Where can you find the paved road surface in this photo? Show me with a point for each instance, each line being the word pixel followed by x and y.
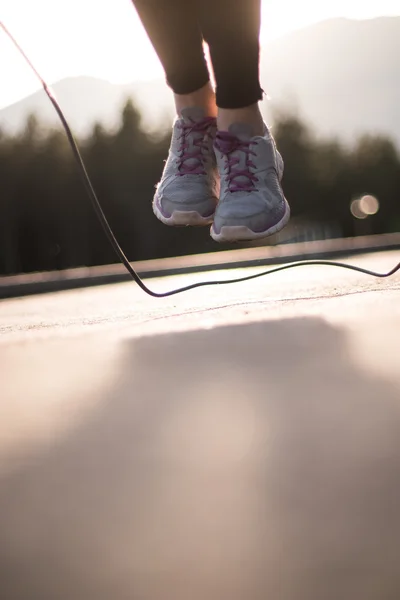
pixel 228 444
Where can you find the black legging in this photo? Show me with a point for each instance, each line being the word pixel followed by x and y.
pixel 231 28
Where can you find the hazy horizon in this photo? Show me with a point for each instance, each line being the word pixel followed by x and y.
pixel 45 33
pixel 364 65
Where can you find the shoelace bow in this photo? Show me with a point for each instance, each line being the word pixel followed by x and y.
pixel 193 152
pixel 238 179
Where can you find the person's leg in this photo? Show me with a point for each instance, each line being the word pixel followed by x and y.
pixel 232 30
pixel 175 34
pixel 251 203
pixel 188 191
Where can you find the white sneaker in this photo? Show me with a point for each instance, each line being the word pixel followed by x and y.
pixel 188 191
pixel 252 204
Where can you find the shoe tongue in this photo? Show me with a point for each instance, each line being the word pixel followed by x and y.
pixel 190 116
pixel 194 113
pixel 243 131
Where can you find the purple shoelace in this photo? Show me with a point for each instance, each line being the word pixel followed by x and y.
pixel 191 151
pixel 238 179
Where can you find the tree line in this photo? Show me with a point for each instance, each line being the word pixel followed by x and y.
pixel 47 222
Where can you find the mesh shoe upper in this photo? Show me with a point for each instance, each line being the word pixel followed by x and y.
pixel 251 169
pixel 190 181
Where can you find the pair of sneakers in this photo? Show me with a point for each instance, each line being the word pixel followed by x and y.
pixel 229 179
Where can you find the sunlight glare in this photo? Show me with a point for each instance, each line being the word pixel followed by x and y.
pixel 106 39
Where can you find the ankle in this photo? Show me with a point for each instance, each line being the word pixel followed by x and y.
pixel 203 98
pixel 250 115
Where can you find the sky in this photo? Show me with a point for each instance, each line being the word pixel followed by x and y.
pixel 105 39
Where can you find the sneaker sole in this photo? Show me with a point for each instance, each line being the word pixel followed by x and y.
pixel 241 233
pixel 182 218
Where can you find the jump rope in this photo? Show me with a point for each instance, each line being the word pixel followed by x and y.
pixel 112 239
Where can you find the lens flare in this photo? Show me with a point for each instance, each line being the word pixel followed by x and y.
pixel 363 207
pixel 369 205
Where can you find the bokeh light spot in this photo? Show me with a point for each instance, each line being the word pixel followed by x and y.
pixel 363 207
pixel 369 205
pixel 356 210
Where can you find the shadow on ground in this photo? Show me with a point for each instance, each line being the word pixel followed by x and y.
pixel 245 462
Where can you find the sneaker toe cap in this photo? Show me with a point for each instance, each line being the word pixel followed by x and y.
pixel 205 207
pixel 259 221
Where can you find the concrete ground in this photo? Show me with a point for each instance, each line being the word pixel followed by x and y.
pixel 237 442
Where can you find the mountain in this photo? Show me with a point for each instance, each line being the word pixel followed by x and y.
pixel 340 75
pixel 86 100
pixel 343 75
